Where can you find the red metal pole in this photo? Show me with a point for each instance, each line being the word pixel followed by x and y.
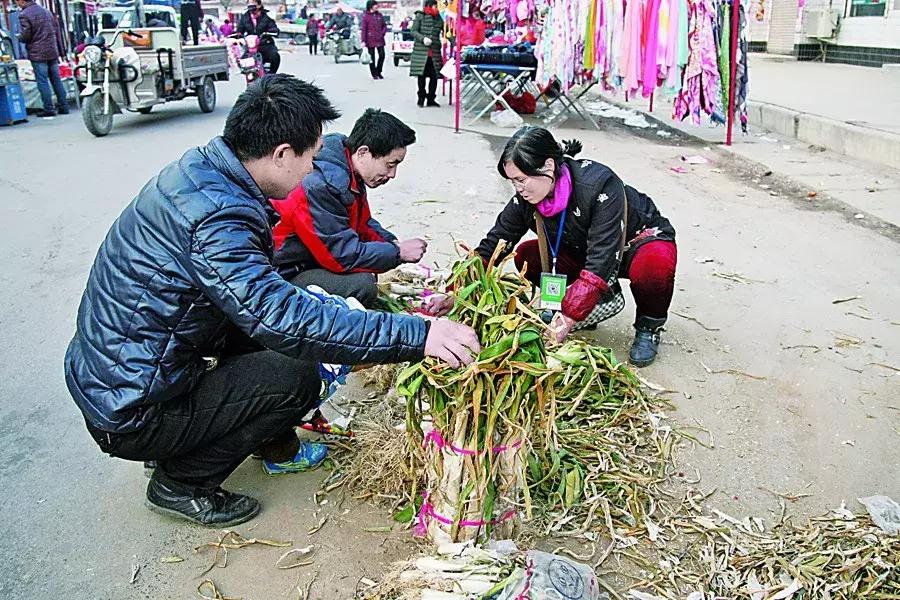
pixel 459 13
pixel 735 25
pixel 651 101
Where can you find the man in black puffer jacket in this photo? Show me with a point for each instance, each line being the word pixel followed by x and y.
pixel 148 365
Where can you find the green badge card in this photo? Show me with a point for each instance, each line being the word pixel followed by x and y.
pixel 553 290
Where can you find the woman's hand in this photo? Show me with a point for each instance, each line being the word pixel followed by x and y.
pixel 559 328
pixel 438 305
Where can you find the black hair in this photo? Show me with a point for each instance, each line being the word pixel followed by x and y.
pixel 530 147
pixel 382 132
pixel 430 3
pixel 370 4
pixel 277 109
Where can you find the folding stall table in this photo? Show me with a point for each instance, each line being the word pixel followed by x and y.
pixel 483 86
pixel 571 103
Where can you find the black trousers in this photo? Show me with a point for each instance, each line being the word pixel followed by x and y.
pixel 362 286
pixel 190 15
pixel 314 44
pixel 249 403
pixel 431 75
pixel 376 66
pixel 270 55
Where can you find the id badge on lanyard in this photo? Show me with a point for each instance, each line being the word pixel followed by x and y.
pixel 553 286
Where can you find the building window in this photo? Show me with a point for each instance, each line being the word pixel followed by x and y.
pixel 868 8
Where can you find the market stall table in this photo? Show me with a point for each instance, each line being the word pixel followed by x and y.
pixel 483 86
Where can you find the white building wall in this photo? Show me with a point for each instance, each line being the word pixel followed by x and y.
pixel 867 32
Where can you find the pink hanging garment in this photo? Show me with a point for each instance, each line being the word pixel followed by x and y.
pixel 651 41
pixel 662 67
pixel 630 66
pixel 700 91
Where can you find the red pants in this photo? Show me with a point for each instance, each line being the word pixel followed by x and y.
pixel 651 272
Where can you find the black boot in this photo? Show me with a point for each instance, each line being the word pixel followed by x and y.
pixel 206 507
pixel 432 102
pixel 646 340
pixel 421 101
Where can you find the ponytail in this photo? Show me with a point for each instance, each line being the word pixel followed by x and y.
pixel 530 147
pixel 570 147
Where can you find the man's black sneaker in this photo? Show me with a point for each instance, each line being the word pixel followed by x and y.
pixel 209 508
pixel 46 114
pixel 64 111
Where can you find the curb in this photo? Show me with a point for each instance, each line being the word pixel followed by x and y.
pixel 750 166
pixel 852 140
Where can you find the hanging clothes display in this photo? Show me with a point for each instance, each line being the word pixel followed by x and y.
pixel 671 48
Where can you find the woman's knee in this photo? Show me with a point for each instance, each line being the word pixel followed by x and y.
pixel 654 264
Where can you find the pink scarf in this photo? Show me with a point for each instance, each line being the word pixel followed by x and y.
pixel 549 207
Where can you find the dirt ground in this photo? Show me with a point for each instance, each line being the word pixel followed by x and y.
pixel 799 393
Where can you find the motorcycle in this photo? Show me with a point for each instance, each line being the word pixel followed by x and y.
pixel 245 50
pixel 343 42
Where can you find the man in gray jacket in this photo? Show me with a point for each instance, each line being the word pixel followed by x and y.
pixel 40 34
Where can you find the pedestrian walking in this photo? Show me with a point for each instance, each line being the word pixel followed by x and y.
pixel 40 34
pixel 312 33
pixel 372 33
pixel 189 259
pixel 426 61
pixel 190 17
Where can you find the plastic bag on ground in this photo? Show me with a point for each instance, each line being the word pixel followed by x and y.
pixel 552 576
pixel 885 513
pixel 506 118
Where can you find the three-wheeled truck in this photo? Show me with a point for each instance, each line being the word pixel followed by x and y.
pixel 136 69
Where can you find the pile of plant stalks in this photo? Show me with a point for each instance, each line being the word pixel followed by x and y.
pixel 471 427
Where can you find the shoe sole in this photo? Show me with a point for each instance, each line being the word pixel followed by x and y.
pixel 174 513
pixel 642 363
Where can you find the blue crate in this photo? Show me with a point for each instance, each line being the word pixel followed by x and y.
pixel 12 104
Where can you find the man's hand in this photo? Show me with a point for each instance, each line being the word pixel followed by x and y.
pixel 559 328
pixel 451 342
pixel 426 41
pixel 438 305
pixel 412 251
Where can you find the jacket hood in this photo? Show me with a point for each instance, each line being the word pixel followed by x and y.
pixel 332 162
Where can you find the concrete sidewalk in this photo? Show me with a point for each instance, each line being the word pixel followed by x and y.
pixel 853 111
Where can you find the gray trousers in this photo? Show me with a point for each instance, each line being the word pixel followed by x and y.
pixel 361 286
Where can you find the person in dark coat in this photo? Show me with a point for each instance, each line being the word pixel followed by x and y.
pixel 312 33
pixel 372 32
pixel 597 229
pixel 190 18
pixel 40 34
pixel 327 235
pixel 426 60
pixel 191 257
pixel 340 21
pixel 256 21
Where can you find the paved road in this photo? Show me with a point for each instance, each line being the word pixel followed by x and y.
pixel 75 522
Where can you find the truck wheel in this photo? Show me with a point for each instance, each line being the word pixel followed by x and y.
pixel 396 61
pixel 92 113
pixel 206 95
pixel 145 110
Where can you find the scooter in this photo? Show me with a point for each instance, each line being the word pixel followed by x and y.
pixel 245 50
pixel 343 42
